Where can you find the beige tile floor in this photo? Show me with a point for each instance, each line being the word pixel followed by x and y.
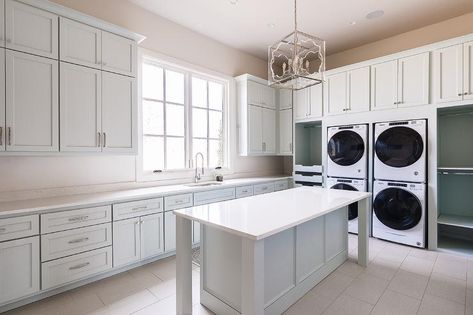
pixel 398 280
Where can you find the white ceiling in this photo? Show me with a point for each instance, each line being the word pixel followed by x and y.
pixel 245 24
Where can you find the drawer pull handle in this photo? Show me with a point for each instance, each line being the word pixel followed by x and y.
pixel 244 191
pixel 79 240
pixel 179 201
pixel 139 208
pixel 3 230
pixel 79 266
pixel 81 218
pixel 264 188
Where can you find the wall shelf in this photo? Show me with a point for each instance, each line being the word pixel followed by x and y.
pixel 456 220
pixel 455 245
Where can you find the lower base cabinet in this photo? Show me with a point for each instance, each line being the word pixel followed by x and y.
pixel 169 231
pixel 19 268
pixel 137 238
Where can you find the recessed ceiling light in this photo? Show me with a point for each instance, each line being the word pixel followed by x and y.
pixel 234 2
pixel 375 14
pixel 271 25
pixel 353 23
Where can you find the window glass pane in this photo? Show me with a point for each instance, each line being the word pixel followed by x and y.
pixel 215 95
pixel 174 120
pixel 174 87
pixel 199 145
pixel 175 157
pixel 153 153
pixel 153 119
pixel 152 82
pixel 199 92
pixel 215 124
pixel 199 123
pixel 215 153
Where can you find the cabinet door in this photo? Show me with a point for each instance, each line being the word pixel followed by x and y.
pixel 269 97
pixel 413 80
pixel 169 231
pixel 255 129
pixel 80 43
pixel 118 113
pixel 316 101
pixel 2 23
pixel 31 103
pixel 152 235
pixel 448 77
pixel 336 93
pixel 359 90
pixel 301 104
pixel 80 104
pixel 285 131
pixel 118 54
pixel 285 99
pixel 126 242
pixel 384 85
pixel 19 268
pixel 468 71
pixel 255 93
pixel 2 101
pixel 269 130
pixel 31 30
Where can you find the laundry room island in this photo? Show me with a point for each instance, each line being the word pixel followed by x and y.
pixel 260 254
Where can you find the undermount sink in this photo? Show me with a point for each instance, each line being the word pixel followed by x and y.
pixel 205 184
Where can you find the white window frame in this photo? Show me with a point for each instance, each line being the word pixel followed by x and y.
pixel 190 70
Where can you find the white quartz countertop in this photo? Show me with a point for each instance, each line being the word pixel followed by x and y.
pixel 13 208
pixel 260 216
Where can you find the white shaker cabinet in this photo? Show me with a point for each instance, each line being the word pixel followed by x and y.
pixel 316 101
pixel 285 99
pixel 152 232
pixel 126 242
pixel 31 30
pixel 80 43
pixel 255 130
pixel 169 231
pixel 261 95
pixel 413 80
pixel 468 71
pixel 118 113
pixel 308 103
pixel 384 85
pixel 285 132
pixel 118 54
pixel 2 102
pixel 336 93
pixel 31 103
pixel 80 104
pixel 19 268
pixel 268 126
pixel 358 86
pixel 2 23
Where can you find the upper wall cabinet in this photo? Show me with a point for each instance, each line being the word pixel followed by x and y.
pixel 2 23
pixel 118 54
pixel 261 95
pixel 401 83
pixel 31 103
pixel 285 99
pixel 80 43
pixel 308 103
pixel 31 30
pixel 453 73
pixel 2 102
pixel 336 93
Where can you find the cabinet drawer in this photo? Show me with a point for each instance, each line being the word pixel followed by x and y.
pixel 281 185
pixel 66 220
pixel 309 178
pixel 127 210
pixel 244 191
pixel 18 227
pixel 263 188
pixel 66 243
pixel 206 197
pixel 177 202
pixel 61 271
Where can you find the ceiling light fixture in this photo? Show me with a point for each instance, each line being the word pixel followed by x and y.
pixel 233 2
pixel 375 14
pixel 353 23
pixel 271 25
pixel 297 61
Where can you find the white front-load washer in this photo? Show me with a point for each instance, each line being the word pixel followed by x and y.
pixel 400 151
pixel 353 185
pixel 399 212
pixel 347 151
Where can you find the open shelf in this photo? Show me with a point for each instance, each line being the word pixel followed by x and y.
pixel 456 220
pixel 455 245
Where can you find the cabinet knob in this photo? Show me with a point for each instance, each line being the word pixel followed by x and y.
pixel 466 93
pixel 460 94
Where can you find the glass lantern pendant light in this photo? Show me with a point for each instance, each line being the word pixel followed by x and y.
pixel 297 61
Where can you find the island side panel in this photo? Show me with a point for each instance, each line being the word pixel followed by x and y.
pixel 183 266
pixel 363 231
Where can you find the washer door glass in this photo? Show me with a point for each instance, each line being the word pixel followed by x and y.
pixel 345 148
pixel 353 208
pixel 399 146
pixel 397 208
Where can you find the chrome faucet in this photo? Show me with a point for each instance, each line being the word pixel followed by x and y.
pixel 198 175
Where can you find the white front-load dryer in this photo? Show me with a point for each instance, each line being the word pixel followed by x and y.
pixel 347 151
pixel 399 212
pixel 400 151
pixel 353 185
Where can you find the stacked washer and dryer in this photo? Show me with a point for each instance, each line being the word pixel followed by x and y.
pixel 347 163
pixel 399 187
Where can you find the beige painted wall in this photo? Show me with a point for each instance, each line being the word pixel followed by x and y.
pixel 69 174
pixel 454 27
